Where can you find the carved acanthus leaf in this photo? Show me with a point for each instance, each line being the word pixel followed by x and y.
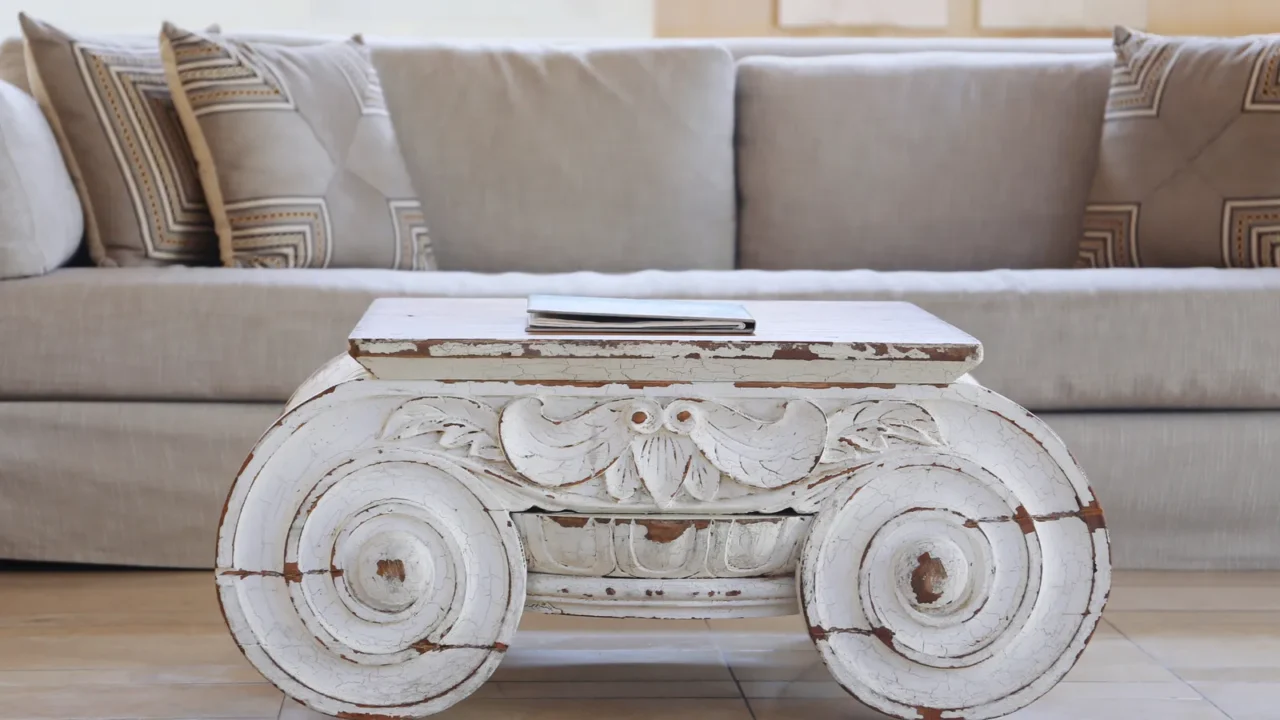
pixel 622 479
pixel 566 451
pixel 461 422
pixel 755 452
pixel 875 426
pixel 686 444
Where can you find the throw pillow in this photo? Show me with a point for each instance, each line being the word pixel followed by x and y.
pixel 1189 166
pixel 296 153
pixel 41 222
pixel 110 107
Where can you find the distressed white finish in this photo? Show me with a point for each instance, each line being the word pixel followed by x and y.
pixel 663 448
pixel 656 548
pixel 377 545
pixel 947 586
pixel 795 342
pixel 667 599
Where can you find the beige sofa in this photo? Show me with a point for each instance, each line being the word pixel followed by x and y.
pixel 956 170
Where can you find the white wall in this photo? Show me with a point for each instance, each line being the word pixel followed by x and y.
pixel 439 18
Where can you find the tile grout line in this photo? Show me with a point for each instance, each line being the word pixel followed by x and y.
pixel 1172 672
pixel 742 695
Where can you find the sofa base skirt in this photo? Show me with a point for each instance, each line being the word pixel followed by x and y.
pixel 144 483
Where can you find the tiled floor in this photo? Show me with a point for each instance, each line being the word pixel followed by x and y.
pixel 152 645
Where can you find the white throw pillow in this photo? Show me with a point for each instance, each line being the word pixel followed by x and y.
pixel 41 221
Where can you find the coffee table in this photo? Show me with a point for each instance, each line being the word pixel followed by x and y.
pixel 451 471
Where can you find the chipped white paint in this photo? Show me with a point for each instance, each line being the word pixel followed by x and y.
pixel 378 586
pixel 666 369
pixel 939 587
pixel 333 373
pixel 650 547
pixel 948 553
pixel 669 599
pixel 821 342
pixel 656 349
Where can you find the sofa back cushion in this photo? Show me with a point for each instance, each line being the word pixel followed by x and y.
pixel 924 161
pixel 567 158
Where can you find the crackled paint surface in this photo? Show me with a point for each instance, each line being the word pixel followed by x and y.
pixel 666 599
pixel 947 551
pixel 661 547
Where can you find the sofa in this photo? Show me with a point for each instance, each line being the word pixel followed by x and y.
pixel 950 173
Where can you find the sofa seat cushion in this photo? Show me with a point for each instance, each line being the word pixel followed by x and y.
pixel 1053 339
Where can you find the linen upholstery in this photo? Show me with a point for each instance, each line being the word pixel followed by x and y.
pixel 120 483
pixel 147 481
pixel 604 158
pixel 922 161
pixel 13 67
pixel 1189 172
pixel 40 217
pixel 1182 490
pixel 296 153
pixel 110 107
pixel 816 46
pixel 1053 339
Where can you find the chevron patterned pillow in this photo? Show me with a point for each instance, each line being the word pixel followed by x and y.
pixel 110 107
pixel 296 153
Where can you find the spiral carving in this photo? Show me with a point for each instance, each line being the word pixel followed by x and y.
pixel 397 594
pixel 966 604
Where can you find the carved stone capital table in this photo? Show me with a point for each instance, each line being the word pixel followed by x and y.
pixel 450 472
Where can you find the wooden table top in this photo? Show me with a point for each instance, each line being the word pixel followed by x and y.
pixel 834 335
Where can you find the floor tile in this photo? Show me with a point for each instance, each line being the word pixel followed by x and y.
pixel 1111 657
pixel 118 651
pixel 612 640
pixel 1068 701
pixel 139 594
pixel 1230 675
pixel 241 672
pixel 801 689
pixel 615 690
pixel 812 709
pixel 1198 592
pixel 1243 701
pixel 605 664
pixel 92 702
pixel 646 709
pixel 1219 640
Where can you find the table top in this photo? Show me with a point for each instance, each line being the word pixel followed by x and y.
pixel 787 332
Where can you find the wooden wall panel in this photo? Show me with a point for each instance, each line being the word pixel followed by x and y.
pixel 862 13
pixel 759 18
pixel 1214 17
pixel 1033 14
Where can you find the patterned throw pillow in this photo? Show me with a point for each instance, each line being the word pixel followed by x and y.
pixel 1189 169
pixel 110 107
pixel 296 153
